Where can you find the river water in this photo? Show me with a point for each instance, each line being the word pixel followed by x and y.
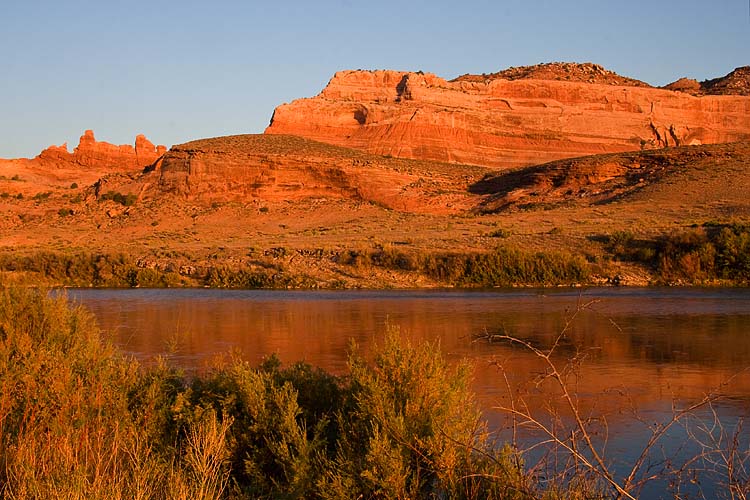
pixel 641 354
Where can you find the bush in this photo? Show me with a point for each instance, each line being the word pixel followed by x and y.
pixel 42 196
pixel 123 199
pixel 712 252
pixel 500 233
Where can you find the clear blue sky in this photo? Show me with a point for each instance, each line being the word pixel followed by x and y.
pixel 182 70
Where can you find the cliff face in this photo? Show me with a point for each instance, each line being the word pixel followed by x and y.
pixel 509 119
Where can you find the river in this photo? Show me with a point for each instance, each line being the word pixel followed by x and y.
pixel 644 353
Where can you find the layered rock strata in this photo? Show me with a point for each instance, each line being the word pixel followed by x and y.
pixel 509 119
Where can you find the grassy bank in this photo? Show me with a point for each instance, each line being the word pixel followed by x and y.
pixel 503 267
pixel 80 420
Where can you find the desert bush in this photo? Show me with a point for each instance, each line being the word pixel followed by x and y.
pixel 500 233
pixel 411 429
pixel 42 196
pixel 123 199
pixel 65 420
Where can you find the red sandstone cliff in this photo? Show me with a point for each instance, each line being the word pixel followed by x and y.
pixel 521 116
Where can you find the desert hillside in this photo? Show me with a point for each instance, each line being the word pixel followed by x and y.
pixel 543 175
pixel 272 210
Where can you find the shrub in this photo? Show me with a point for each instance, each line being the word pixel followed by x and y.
pixel 42 196
pixel 500 233
pixel 74 185
pixel 701 254
pixel 123 199
pixel 64 212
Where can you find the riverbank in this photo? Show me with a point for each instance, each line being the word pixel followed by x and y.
pixel 708 255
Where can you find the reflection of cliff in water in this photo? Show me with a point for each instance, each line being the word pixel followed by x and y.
pixel 643 348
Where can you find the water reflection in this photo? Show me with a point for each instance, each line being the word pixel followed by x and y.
pixel 657 344
pixel 644 351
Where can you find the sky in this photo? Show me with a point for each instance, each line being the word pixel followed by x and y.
pixel 183 70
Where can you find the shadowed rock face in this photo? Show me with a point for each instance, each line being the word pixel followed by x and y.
pixel 709 173
pixel 519 117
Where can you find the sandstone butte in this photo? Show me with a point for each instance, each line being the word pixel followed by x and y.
pixel 517 117
pixel 88 161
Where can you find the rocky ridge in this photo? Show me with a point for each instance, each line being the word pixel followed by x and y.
pixel 563 71
pixel 518 117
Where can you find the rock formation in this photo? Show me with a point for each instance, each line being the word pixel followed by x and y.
pixel 521 116
pixel 91 153
pixel 89 161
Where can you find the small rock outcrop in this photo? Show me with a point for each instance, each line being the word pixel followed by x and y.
pixel 687 85
pixel 517 117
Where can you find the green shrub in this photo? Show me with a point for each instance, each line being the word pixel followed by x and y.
pixel 64 212
pixel 74 185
